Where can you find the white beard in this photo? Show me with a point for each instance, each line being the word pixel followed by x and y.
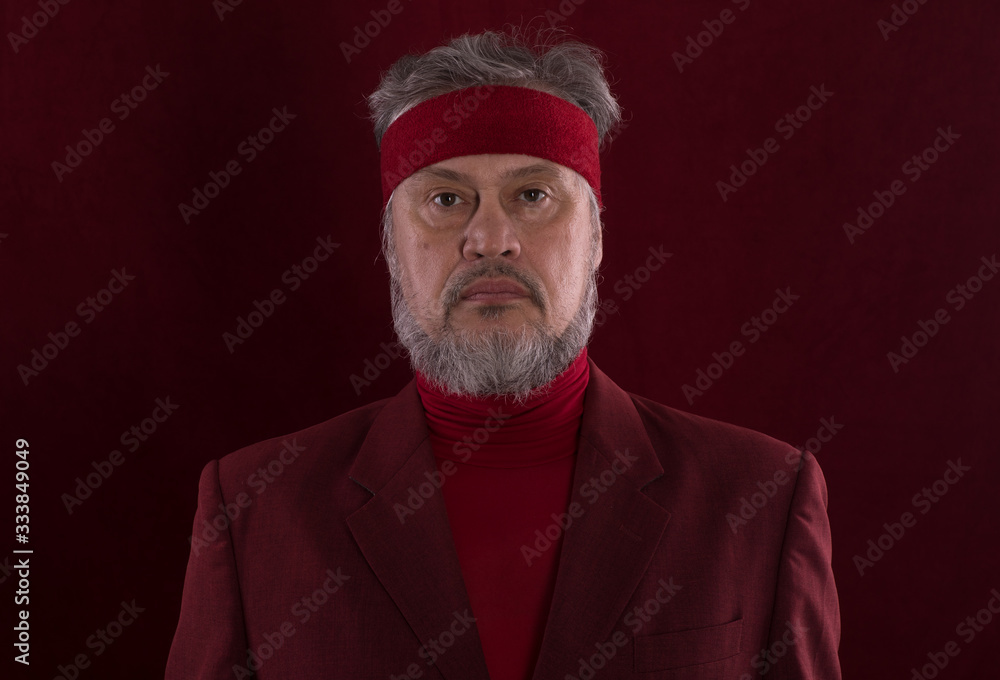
pixel 516 363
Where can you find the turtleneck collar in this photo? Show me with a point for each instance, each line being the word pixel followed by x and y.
pixel 491 432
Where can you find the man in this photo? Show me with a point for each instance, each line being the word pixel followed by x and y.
pixel 511 513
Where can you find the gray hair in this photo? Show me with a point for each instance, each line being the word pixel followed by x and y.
pixel 565 68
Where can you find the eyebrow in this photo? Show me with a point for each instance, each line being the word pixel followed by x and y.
pixel 513 173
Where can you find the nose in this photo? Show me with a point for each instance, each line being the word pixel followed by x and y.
pixel 491 232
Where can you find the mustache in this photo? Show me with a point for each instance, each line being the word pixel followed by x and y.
pixel 495 270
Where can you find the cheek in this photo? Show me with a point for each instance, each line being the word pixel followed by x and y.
pixel 571 255
pixel 423 267
pixel 564 278
pixel 572 270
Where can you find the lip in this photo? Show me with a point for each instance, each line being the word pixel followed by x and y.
pixel 494 290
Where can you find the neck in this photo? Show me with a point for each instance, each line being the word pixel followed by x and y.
pixel 492 431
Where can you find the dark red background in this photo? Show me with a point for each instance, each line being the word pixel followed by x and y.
pixel 825 357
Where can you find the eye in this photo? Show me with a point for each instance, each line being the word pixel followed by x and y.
pixel 533 195
pixel 447 200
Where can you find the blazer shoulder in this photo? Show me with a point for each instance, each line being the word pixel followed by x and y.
pixel 335 440
pixel 712 441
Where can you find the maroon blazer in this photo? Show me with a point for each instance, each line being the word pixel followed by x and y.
pixel 695 549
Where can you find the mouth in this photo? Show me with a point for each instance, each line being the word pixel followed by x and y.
pixel 493 291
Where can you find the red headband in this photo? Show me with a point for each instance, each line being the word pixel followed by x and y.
pixel 490 119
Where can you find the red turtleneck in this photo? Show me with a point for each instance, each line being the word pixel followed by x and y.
pixel 508 469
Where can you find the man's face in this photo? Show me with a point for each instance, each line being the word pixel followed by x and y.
pixel 494 242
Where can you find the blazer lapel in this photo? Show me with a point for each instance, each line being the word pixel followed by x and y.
pixel 409 546
pixel 605 551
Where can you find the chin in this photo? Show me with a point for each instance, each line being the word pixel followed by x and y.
pixel 491 316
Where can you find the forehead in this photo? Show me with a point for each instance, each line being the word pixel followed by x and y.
pixel 485 168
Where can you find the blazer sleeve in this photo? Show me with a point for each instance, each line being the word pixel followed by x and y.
pixel 805 625
pixel 211 634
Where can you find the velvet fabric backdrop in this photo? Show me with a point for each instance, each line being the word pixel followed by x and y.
pixel 801 238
